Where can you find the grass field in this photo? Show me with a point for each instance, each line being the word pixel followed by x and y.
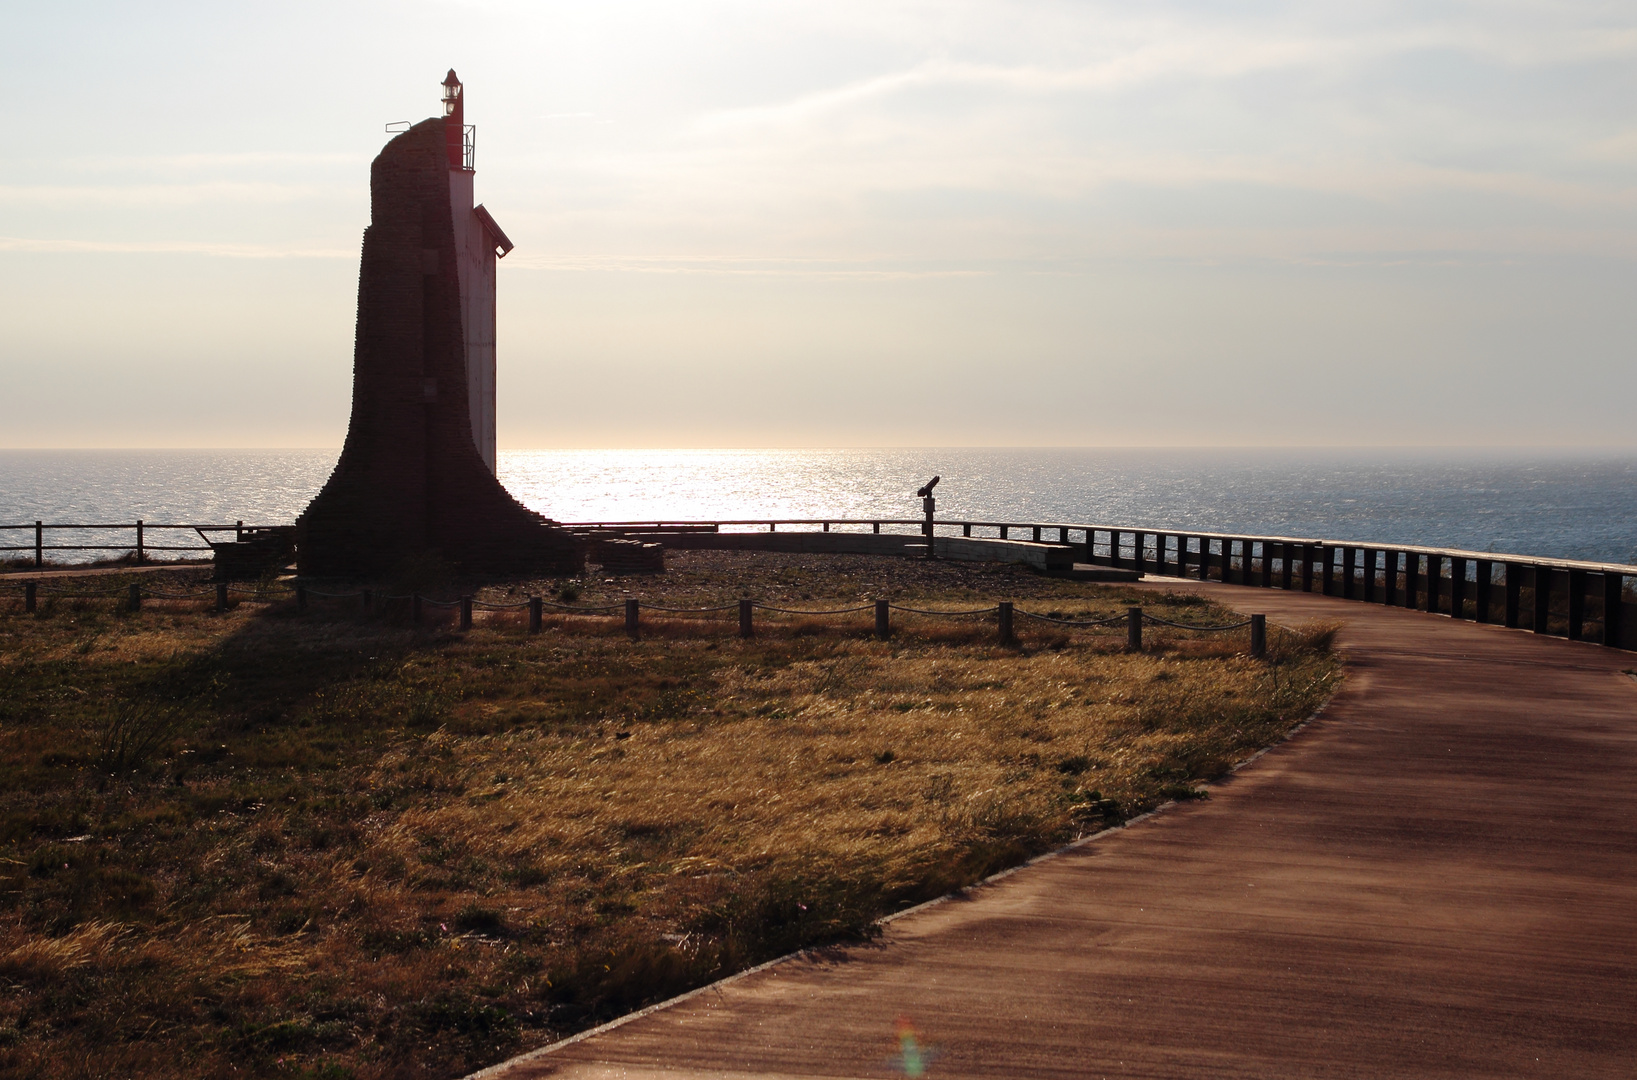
pixel 265 843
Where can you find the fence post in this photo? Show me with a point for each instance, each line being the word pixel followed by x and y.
pixel 301 598
pixel 238 532
pixel 221 596
pixel 631 618
pixel 536 611
pixel 1577 604
pixel 1614 600
pixel 1133 629
pixel 747 610
pixel 1484 578
pixel 1514 595
pixel 1003 612
pixel 466 613
pixel 30 598
pixel 1284 566
pixel 1457 588
pixel 135 601
pixel 883 620
pixel 1412 571
pixel 415 608
pixel 1307 567
pixel 39 545
pixel 1258 636
pixel 1389 582
pixel 140 547
pixel 1328 554
pixel 1371 555
pixel 1543 599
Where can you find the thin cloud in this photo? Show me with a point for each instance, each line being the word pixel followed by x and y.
pixel 167 247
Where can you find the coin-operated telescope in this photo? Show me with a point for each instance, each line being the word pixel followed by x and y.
pixel 928 504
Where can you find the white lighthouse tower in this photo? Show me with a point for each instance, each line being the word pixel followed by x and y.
pixel 479 242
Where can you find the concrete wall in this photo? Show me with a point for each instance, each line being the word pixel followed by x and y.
pixel 1047 558
pixel 475 263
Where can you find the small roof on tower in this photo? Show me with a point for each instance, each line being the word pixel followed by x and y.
pixel 497 239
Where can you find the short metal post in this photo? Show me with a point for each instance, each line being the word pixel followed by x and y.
pixel 1133 629
pixel 140 546
pixel 1513 617
pixel 747 609
pixel 39 545
pixel 1614 601
pixel 221 596
pixel 537 612
pixel 1258 636
pixel 883 620
pixel 30 590
pixel 415 608
pixel 1577 604
pixel 1543 599
pixel 466 613
pixel 631 618
pixel 301 598
pixel 135 602
pixel 1004 621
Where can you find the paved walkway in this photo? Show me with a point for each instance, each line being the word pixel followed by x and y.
pixel 1437 878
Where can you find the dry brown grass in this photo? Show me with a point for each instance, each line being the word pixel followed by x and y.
pixel 373 850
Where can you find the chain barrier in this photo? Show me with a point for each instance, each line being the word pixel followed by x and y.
pixel 690 610
pixel 1080 622
pixel 1190 626
pixel 798 611
pixel 951 614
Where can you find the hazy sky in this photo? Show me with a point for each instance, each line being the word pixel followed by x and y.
pixel 806 224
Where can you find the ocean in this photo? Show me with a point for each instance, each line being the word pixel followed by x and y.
pixel 1543 503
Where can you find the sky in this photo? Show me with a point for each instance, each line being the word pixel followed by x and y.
pixel 845 224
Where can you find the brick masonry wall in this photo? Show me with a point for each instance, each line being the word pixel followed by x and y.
pixel 409 481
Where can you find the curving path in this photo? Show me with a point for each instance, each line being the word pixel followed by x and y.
pixel 1436 878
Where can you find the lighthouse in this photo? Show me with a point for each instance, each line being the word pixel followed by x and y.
pixel 479 243
pixel 416 477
